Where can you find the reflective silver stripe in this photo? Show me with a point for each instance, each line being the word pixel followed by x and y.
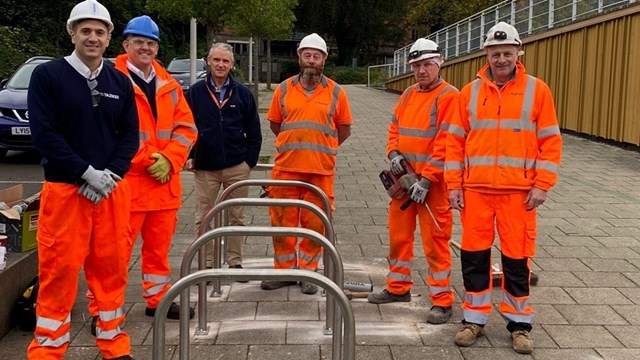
pixel 481 160
pixel 45 341
pixel 454 165
pixel 519 318
pixel 334 103
pixel 437 163
pixel 421 133
pixel 283 92
pixel 473 101
pixel 307 146
pixel 433 112
pixel 477 300
pixel 181 139
pixel 440 275
pixel 397 276
pixel 402 264
pixel 405 95
pixel 164 134
pixel 287 257
pixel 111 314
pixel 323 81
pixel 457 130
pixel 475 317
pixel 51 324
pixel 519 306
pixel 308 258
pixel 394 119
pixel 547 165
pixel 417 157
pixel 144 135
pixel 548 131
pixel 307 124
pixel 444 126
pixel 511 161
pixel 108 335
pixel 174 97
pixel 523 124
pixel 476 124
pixel 439 289
pixel 527 104
pixel 155 289
pixel 184 124
pixel 156 278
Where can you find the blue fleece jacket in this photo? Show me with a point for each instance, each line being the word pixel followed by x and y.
pixel 229 135
pixel 70 132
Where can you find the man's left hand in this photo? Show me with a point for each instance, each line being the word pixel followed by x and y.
pixel 535 198
pixel 160 169
pixel 418 191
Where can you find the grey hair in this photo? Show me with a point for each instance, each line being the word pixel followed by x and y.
pixel 223 46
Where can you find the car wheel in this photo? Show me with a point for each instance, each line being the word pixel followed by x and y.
pixel 3 153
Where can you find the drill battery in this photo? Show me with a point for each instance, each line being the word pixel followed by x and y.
pixel 392 184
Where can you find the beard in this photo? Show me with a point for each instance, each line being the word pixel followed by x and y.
pixel 311 74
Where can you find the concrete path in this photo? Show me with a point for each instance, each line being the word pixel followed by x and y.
pixel 587 299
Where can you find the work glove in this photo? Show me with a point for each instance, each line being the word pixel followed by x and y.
pixel 160 169
pixel 90 193
pixel 99 180
pixel 396 163
pixel 113 175
pixel 419 190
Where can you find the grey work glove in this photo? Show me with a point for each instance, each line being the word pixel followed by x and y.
pixel 419 190
pixel 396 163
pixel 100 180
pixel 113 175
pixel 90 193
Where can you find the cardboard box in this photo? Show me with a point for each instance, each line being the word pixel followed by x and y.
pixel 20 228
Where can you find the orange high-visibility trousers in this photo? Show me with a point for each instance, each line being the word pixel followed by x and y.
pixel 157 229
pixel 435 244
pixel 516 225
pixel 73 232
pixel 285 256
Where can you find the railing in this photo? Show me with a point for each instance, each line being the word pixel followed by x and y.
pixel 528 16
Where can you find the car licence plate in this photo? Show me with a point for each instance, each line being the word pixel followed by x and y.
pixel 20 130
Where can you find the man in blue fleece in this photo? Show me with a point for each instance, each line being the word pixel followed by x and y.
pixel 84 123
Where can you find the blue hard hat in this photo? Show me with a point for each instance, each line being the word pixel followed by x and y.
pixel 142 26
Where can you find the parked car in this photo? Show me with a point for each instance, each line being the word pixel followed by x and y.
pixel 15 133
pixel 180 69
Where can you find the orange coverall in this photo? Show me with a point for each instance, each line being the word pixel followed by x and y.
pixel 154 205
pixel 418 130
pixel 502 143
pixel 306 150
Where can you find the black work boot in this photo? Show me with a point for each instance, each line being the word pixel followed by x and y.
pixel 173 313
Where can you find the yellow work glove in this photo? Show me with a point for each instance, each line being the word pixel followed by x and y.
pixel 160 169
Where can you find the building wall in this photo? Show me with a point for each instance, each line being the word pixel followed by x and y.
pixel 591 67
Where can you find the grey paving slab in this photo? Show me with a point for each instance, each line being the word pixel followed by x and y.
pixel 582 336
pixel 619 354
pixel 607 296
pixel 289 352
pixel 590 315
pixel 566 354
pixel 604 279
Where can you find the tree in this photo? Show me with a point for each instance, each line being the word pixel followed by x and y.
pixel 429 16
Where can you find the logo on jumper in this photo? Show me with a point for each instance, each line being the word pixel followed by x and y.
pixel 110 96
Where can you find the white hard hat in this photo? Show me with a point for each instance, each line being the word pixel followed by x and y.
pixel 502 34
pixel 313 41
pixel 423 49
pixel 89 9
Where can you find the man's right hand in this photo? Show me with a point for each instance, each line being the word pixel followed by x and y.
pixel 90 193
pixel 456 199
pixel 396 163
pixel 101 181
pixel 189 165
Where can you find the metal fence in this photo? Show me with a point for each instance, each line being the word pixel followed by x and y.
pixel 528 16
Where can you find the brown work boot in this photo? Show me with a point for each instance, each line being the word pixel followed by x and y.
pixel 308 288
pixel 384 297
pixel 521 341
pixel 276 284
pixel 468 335
pixel 439 314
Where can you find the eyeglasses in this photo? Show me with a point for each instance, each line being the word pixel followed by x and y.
pixel 95 94
pixel 417 53
pixel 138 43
pixel 500 35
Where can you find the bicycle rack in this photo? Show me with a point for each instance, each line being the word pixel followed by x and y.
pixel 265 182
pixel 202 288
pixel 218 233
pixel 348 350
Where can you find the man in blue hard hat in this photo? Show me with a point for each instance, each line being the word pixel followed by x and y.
pixel 167 132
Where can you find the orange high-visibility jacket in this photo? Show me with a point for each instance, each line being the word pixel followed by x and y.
pixel 172 135
pixel 308 138
pixel 504 139
pixel 418 127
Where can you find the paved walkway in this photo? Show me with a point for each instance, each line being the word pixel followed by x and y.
pixel 588 297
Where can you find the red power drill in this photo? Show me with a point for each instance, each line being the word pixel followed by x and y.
pixel 398 186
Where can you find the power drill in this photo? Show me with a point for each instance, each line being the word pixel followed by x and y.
pixel 398 186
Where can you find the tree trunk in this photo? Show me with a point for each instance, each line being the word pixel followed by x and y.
pixel 211 35
pixel 268 64
pixel 256 66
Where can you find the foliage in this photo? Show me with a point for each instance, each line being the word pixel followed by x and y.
pixel 347 74
pixel 428 16
pixel 14 52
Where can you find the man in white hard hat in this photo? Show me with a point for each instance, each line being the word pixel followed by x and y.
pixel 503 153
pixel 310 116
pixel 417 139
pixel 84 123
